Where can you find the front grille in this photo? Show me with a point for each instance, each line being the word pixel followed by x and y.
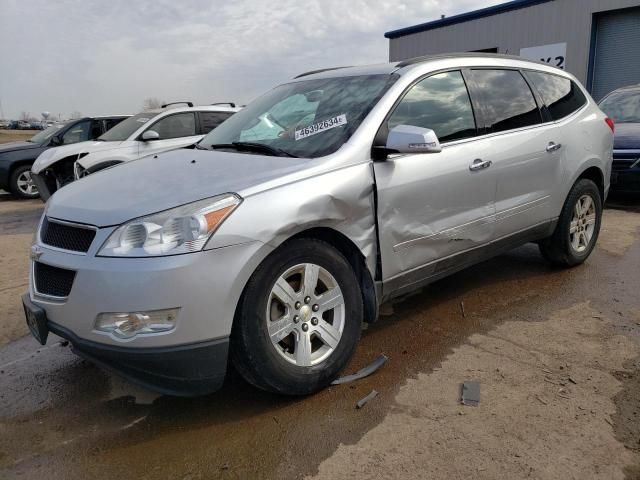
pixel 67 237
pixel 53 281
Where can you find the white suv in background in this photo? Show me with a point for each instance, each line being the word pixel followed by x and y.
pixel 146 133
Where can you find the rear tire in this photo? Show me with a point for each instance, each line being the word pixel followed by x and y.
pixel 299 319
pixel 20 183
pixel 576 233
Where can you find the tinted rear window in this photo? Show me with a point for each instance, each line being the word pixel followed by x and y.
pixel 561 96
pixel 507 100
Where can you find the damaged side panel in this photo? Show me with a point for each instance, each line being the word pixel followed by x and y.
pixel 341 200
pixel 431 207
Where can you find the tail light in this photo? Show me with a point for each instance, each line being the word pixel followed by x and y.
pixel 611 123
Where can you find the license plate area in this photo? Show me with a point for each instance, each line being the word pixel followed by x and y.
pixel 36 319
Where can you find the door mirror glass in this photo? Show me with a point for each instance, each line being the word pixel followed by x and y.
pixel 410 139
pixel 150 135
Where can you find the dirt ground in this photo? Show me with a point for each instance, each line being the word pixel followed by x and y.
pixel 16 135
pixel 556 352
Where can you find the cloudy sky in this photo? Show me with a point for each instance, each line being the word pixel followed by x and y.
pixel 103 57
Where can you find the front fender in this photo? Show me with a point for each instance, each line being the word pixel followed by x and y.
pixel 342 200
pixel 53 155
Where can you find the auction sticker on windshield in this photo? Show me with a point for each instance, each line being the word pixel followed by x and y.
pixel 321 126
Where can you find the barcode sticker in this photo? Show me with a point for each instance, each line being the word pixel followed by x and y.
pixel 321 126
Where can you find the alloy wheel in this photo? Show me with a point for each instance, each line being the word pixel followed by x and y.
pixel 583 223
pixel 305 314
pixel 25 184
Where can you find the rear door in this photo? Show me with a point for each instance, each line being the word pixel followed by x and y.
pixel 176 130
pixel 434 206
pixel 525 151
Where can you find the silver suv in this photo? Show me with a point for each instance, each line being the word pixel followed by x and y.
pixel 290 223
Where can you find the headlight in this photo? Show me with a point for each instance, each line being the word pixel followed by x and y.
pixel 183 229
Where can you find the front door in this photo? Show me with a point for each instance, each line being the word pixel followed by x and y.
pixel 434 206
pixel 176 131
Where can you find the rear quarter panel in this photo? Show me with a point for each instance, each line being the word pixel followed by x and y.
pixel 587 142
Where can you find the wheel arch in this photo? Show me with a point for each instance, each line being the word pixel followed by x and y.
pixel 356 259
pixel 19 163
pixel 596 175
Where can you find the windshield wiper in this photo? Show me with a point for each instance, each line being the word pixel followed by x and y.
pixel 254 147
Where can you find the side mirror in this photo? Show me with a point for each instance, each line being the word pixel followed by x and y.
pixel 410 139
pixel 150 135
pixel 56 140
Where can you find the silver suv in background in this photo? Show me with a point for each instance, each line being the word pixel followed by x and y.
pixel 146 133
pixel 289 224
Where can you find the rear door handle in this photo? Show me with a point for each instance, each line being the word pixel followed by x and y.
pixel 479 164
pixel 552 147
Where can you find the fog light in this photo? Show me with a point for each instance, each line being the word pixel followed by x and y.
pixel 128 325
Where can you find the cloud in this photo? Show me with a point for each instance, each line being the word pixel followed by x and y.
pixel 107 57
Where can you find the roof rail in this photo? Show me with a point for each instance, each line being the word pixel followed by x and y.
pixel 426 58
pixel 189 104
pixel 231 104
pixel 311 72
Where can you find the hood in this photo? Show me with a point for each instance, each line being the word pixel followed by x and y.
pixel 149 185
pixel 53 155
pixel 627 136
pixel 13 146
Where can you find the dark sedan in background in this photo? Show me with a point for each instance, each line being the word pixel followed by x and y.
pixel 623 105
pixel 16 158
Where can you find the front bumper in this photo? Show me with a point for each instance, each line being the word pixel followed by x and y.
pixel 46 186
pixel 184 370
pixel 206 286
pixel 625 171
pixel 625 181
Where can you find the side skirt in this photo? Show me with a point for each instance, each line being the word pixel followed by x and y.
pixel 429 273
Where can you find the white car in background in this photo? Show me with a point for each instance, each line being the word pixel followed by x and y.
pixel 146 133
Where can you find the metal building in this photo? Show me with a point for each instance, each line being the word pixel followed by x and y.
pixel 596 40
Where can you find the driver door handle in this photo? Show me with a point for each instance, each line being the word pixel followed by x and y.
pixel 479 164
pixel 552 147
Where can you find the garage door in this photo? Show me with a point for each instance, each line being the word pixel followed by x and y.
pixel 617 55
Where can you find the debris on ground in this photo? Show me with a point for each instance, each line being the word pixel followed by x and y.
pixel 462 309
pixel 362 402
pixel 471 393
pixel 365 372
pixel 544 402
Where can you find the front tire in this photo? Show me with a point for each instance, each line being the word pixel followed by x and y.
pixel 299 320
pixel 21 184
pixel 578 227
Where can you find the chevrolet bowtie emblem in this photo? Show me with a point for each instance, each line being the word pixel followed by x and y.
pixel 36 252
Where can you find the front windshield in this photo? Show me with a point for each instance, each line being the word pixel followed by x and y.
pixel 623 107
pixel 123 130
pixel 45 135
pixel 309 118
